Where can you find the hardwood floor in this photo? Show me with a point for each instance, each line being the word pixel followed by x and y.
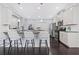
pixel 21 51
pixel 59 49
pixel 56 49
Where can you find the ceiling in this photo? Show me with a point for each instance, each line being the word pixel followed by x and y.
pixel 37 10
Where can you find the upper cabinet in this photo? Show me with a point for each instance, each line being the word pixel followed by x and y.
pixel 68 17
pixel 76 14
pixel 71 16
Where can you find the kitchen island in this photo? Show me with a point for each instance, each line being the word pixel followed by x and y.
pixel 70 38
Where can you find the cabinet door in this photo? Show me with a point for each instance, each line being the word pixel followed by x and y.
pixel 68 17
pixel 76 15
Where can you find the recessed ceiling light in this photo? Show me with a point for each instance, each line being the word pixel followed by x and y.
pixel 39 16
pixel 38 8
pixel 41 3
pixel 50 16
pixel 28 17
pixel 41 20
pixel 18 20
pixel 57 8
pixel 70 8
pixel 21 7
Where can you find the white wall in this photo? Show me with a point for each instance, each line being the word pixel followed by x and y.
pixel 37 23
pixel 6 18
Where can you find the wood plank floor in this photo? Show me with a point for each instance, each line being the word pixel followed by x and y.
pixel 59 49
pixel 56 49
pixel 21 51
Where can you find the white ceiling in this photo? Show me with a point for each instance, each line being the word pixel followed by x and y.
pixel 37 11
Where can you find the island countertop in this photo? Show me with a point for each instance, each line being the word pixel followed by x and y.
pixel 70 38
pixel 70 31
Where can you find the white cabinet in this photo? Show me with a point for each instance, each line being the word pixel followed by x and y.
pixel 76 14
pixel 68 17
pixel 64 37
pixel 71 39
pixel 71 16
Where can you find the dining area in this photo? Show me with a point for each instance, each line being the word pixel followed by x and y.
pixel 16 41
pixel 25 31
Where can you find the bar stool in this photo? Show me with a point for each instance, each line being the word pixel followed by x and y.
pixel 43 44
pixel 4 42
pixel 44 41
pixel 29 41
pixel 15 39
pixel 29 44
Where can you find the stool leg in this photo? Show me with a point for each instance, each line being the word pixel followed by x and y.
pixel 33 44
pixel 25 48
pixel 14 46
pixel 10 48
pixel 40 47
pixel 21 42
pixel 17 47
pixel 22 50
pixel 4 46
pixel 33 48
pixel 47 49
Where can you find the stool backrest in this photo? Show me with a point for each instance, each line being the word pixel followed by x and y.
pixel 44 34
pixel 2 36
pixel 28 35
pixel 6 34
pixel 13 34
